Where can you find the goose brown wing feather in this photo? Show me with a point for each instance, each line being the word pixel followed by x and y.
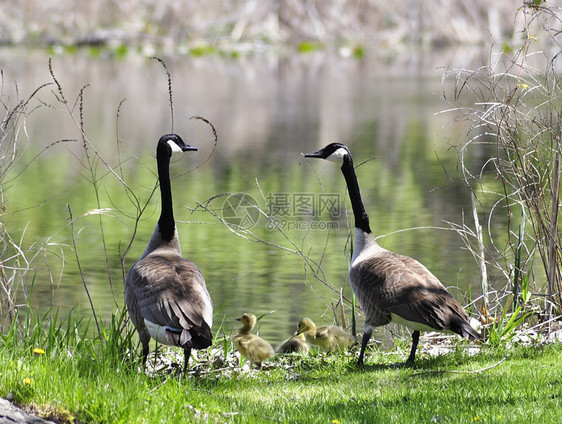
pixel 173 293
pixel 397 284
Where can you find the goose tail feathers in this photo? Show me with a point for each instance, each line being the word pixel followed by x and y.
pixel 200 338
pixel 464 329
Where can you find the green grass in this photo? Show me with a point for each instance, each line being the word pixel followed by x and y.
pixel 90 380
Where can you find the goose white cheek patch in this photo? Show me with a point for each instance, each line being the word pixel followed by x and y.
pixel 174 146
pixel 338 155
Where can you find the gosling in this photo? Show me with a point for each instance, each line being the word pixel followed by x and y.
pixel 328 337
pixel 295 344
pixel 253 348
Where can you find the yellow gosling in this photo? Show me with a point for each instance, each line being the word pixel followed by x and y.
pixel 253 348
pixel 328 337
pixel 297 343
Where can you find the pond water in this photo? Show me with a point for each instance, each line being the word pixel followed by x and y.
pixel 266 110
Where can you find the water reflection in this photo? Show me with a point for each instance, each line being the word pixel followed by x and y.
pixel 267 110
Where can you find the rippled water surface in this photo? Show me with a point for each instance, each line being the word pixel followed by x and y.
pixel 266 110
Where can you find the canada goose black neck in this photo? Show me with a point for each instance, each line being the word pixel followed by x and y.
pixel 166 294
pixel 166 223
pixel 339 153
pixel 389 286
pixel 359 213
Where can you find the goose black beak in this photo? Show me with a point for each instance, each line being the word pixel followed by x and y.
pixel 188 148
pixel 317 154
pixel 238 319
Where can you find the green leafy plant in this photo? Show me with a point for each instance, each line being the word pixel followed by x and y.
pixel 502 329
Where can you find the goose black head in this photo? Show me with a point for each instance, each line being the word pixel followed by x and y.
pixel 334 152
pixel 173 143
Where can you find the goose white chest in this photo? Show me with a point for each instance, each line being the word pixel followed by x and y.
pixel 364 247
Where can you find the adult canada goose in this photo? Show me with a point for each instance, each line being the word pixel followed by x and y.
pixel 295 344
pixel 250 346
pixel 166 294
pixel 328 337
pixel 389 286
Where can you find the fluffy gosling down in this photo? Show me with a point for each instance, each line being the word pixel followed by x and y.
pixel 294 344
pixel 328 337
pixel 253 348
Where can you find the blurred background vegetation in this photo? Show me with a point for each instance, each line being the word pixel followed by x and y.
pixel 175 22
